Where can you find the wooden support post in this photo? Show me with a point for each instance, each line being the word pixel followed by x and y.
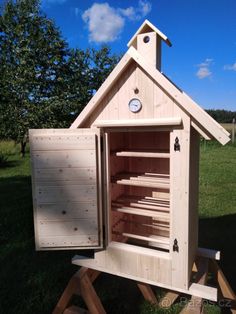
pixel 147 293
pixel 90 296
pixel 224 285
pixel 194 306
pixel 169 299
pixel 80 284
pixel 71 289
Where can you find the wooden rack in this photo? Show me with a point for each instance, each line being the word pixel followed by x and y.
pixel 152 180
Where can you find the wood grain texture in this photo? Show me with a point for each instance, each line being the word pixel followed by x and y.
pixel 65 176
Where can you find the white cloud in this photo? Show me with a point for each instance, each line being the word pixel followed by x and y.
pixel 203 72
pixel 204 69
pixel 231 67
pixel 136 14
pixel 105 23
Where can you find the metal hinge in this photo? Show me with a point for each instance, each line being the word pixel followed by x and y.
pixel 176 144
pixel 175 246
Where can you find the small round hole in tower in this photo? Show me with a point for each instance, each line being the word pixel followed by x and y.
pixel 146 39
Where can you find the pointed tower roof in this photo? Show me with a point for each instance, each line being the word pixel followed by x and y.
pixel 147 27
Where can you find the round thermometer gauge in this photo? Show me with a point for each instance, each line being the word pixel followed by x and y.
pixel 135 105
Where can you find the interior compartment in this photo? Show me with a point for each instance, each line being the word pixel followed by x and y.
pixel 139 188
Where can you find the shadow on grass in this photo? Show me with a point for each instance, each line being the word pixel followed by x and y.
pixel 9 164
pixel 220 233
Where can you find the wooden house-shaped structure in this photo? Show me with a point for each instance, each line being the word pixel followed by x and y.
pixel 123 179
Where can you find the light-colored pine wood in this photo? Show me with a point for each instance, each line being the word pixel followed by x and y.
pixel 195 304
pixel 142 154
pixel 66 170
pixel 171 121
pixel 142 212
pixel 169 299
pixel 149 45
pixel 144 28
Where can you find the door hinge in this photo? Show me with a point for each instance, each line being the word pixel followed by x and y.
pixel 175 246
pixel 176 144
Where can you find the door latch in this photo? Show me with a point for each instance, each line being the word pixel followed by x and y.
pixel 176 145
pixel 175 246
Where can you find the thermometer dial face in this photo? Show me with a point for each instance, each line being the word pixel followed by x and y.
pixel 135 105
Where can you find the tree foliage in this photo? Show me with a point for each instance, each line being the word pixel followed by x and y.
pixel 222 116
pixel 42 82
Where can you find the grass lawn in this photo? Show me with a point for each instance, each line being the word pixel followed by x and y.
pixel 32 282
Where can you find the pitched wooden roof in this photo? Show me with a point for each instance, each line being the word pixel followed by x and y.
pixel 145 28
pixel 201 121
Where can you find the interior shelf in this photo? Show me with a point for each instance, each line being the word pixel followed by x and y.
pixel 142 153
pixel 161 242
pixel 149 207
pixel 152 180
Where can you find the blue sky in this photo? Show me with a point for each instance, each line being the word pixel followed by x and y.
pixel 202 60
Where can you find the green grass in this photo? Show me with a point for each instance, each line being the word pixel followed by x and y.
pixel 32 282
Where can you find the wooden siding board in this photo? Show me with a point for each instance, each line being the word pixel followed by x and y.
pixel 66 177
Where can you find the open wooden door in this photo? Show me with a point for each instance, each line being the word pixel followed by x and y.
pixel 66 183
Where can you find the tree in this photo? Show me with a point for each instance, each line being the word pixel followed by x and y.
pixel 88 70
pixel 42 83
pixel 33 62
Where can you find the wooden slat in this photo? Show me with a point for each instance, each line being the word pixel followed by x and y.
pixel 46 142
pixel 72 193
pixel 172 121
pixel 142 154
pixel 64 159
pixel 85 175
pixel 142 212
pixel 145 180
pixel 159 241
pixel 68 228
pixel 66 210
pixel 67 242
pixel 142 205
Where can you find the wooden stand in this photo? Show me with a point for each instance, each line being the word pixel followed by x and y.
pixel 81 284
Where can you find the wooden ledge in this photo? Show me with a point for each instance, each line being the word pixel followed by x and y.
pixel 139 122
